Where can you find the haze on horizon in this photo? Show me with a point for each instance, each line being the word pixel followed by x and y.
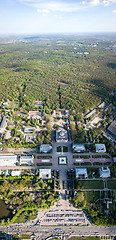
pixel 57 16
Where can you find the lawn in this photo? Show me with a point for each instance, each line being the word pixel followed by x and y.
pixel 27 215
pixel 59 149
pixel 111 184
pixel 84 238
pixel 90 184
pixel 65 149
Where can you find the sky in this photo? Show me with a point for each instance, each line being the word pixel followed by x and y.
pixel 57 16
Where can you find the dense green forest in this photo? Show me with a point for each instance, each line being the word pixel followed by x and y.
pixel 76 72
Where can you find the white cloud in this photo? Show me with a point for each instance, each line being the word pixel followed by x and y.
pixel 114 11
pixel 91 2
pixel 43 11
pixel 59 5
pixel 108 2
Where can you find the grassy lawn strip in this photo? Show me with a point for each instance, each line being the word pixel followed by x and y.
pixel 25 236
pixel 84 238
pixel 44 157
pixel 44 164
pixel 92 184
pixel 85 156
pixel 111 184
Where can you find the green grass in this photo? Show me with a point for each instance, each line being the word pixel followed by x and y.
pixel 92 184
pixel 111 184
pixel 84 238
pixel 25 236
pixel 27 215
pixel 65 149
pixel 45 157
pixel 59 149
pixel 44 164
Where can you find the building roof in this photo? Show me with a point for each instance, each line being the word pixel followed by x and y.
pixel 78 147
pixel 104 172
pixel 81 171
pixel 45 173
pixel 4 123
pixel 26 160
pixel 45 147
pixel 8 160
pixel 61 136
pixel 112 127
pixel 15 173
pixel 90 113
pixel 28 129
pixel 101 105
pixel 100 147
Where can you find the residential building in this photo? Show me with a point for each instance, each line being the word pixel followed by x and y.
pixel 81 173
pixel 8 160
pixel 100 148
pixel 45 148
pixel 61 135
pixel 104 172
pixel 78 148
pixel 45 173
pixel 26 160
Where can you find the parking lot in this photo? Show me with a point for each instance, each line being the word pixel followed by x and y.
pixel 65 214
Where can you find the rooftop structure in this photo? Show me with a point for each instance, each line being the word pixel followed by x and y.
pixel 8 160
pixel 62 160
pixel 45 173
pixel 34 114
pixel 29 138
pixel 101 105
pixel 61 136
pixel 104 172
pixel 15 173
pixel 112 128
pixel 38 103
pixel 26 160
pixel 3 123
pixel 78 148
pixel 90 113
pixel 45 148
pixel 28 129
pixel 100 147
pixel 81 173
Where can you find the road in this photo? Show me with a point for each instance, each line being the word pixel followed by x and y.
pixel 44 232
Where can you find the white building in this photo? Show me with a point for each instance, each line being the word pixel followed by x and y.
pixel 61 136
pixel 45 148
pixel 104 172
pixel 8 160
pixel 78 148
pixel 15 173
pixel 3 123
pixel 26 160
pixel 100 148
pixel 45 173
pixel 81 173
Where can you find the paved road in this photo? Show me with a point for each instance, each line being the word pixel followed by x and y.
pixel 43 232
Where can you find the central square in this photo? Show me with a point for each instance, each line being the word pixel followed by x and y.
pixel 62 160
